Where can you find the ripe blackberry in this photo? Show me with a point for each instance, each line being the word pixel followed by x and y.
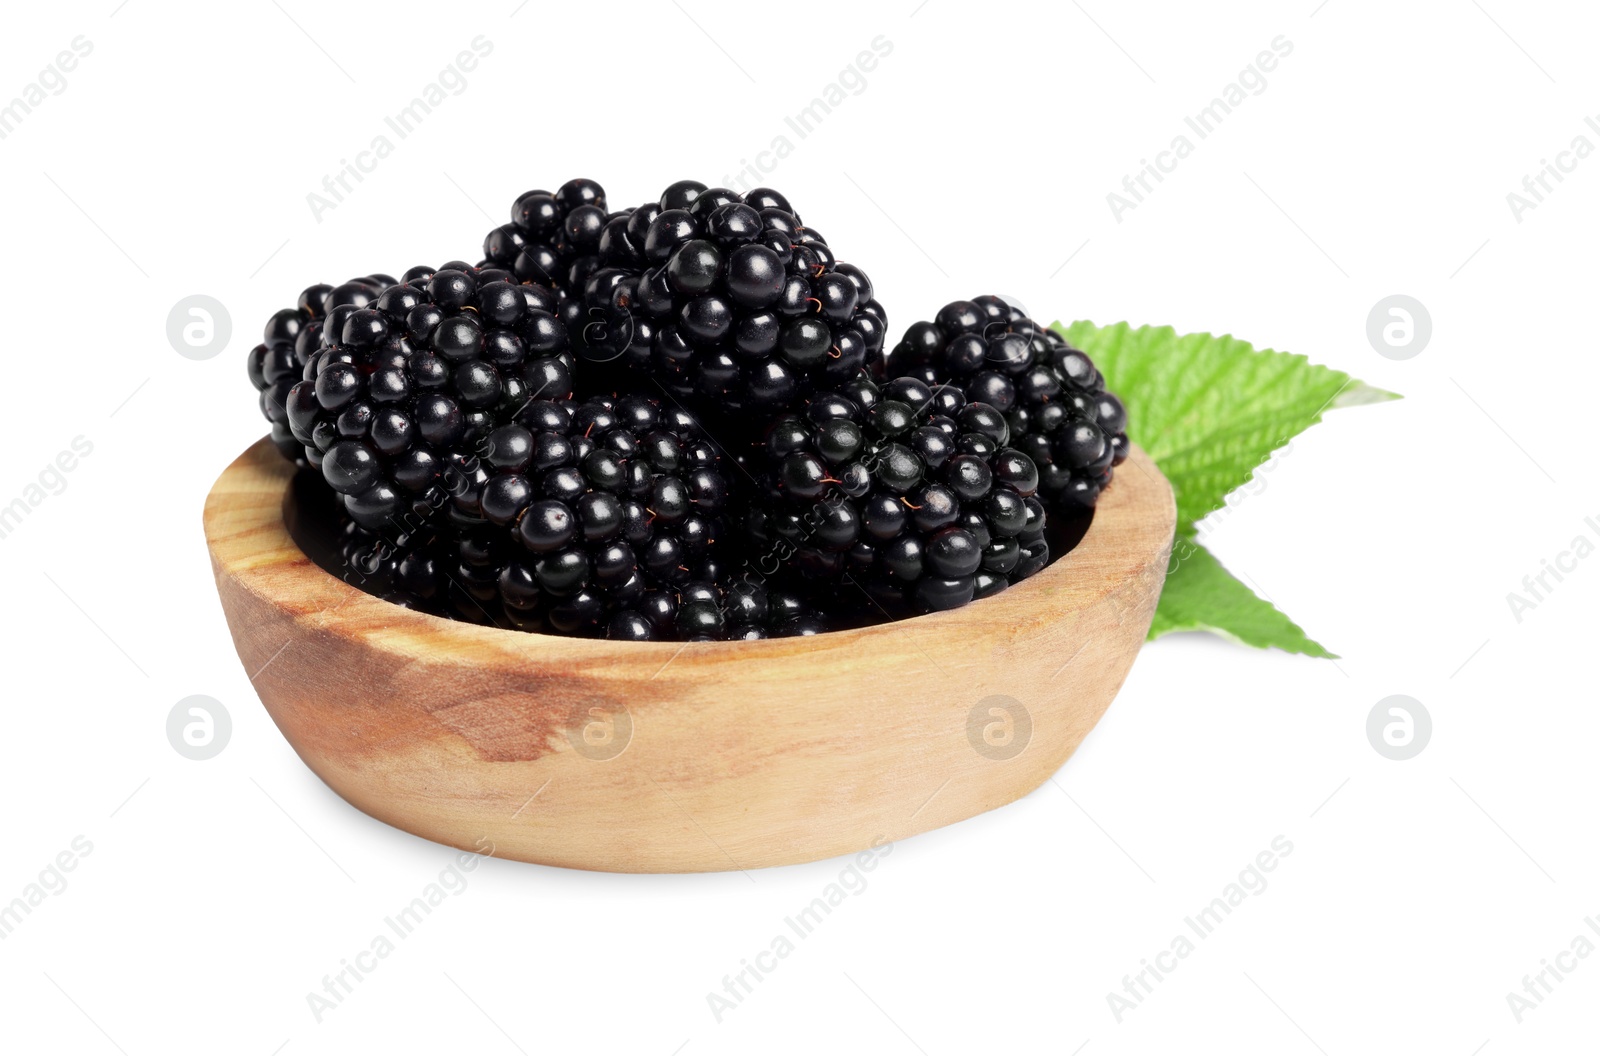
pixel 909 491
pixel 553 239
pixel 401 569
pixel 577 510
pixel 727 300
pixel 290 338
pixel 395 406
pixel 1053 397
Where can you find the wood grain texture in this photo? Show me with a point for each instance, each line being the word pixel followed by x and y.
pixel 733 755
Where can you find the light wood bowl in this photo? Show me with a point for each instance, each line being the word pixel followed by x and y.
pixel 665 757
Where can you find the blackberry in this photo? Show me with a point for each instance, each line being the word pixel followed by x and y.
pixel 578 510
pixel 553 239
pixel 908 490
pixel 727 609
pixel 396 405
pixel 1053 397
pixel 727 300
pixel 288 341
pixel 403 569
pixel 460 578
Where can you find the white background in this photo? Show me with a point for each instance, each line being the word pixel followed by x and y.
pixel 977 158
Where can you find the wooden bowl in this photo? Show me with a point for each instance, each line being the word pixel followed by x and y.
pixel 668 757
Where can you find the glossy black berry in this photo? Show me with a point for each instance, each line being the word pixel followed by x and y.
pixel 726 607
pixel 1053 399
pixel 891 487
pixel 575 510
pixel 729 303
pixel 292 336
pixel 557 239
pixel 415 390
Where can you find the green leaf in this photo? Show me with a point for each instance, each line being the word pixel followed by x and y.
pixel 1201 595
pixel 1208 409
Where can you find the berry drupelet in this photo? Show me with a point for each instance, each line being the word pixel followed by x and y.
pixel 908 490
pixel 289 340
pixel 396 405
pixel 1053 397
pixel 728 301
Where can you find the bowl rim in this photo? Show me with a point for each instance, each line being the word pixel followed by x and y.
pixel 251 545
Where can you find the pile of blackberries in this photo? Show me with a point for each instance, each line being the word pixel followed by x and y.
pixel 677 422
